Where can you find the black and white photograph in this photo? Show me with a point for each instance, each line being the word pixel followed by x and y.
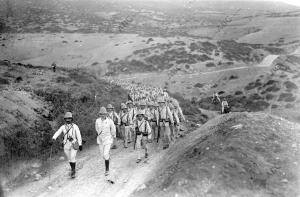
pixel 149 98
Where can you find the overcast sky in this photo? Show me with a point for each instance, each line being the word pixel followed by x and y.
pixel 292 2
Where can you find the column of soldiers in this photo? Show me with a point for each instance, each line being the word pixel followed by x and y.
pixel 150 116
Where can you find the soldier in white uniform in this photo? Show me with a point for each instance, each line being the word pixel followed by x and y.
pixel 126 122
pixel 142 133
pixel 174 128
pixel 132 113
pixel 116 119
pixel 165 121
pixel 106 131
pixel 71 140
pixel 152 115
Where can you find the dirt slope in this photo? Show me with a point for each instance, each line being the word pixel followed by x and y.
pixel 90 177
pixel 240 154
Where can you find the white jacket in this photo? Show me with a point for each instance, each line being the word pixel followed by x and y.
pixel 106 131
pixel 74 132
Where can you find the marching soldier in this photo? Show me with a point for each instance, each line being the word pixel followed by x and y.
pixel 132 113
pixel 106 131
pixel 143 134
pixel 165 121
pixel 71 140
pixel 143 107
pixel 126 122
pixel 152 115
pixel 116 119
pixel 174 128
pixel 225 107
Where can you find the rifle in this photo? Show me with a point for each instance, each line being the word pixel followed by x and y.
pixel 136 129
pixel 158 133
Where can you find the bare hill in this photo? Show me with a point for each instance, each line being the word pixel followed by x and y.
pixel 240 154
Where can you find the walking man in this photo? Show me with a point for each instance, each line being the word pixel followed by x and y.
pixel 152 115
pixel 116 119
pixel 132 113
pixel 126 122
pixel 106 131
pixel 225 107
pixel 53 66
pixel 71 140
pixel 165 121
pixel 143 134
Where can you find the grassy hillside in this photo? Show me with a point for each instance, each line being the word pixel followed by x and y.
pixel 34 100
pixel 240 154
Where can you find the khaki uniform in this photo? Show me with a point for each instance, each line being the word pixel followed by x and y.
pixel 106 131
pixel 71 134
pixel 132 113
pixel 143 134
pixel 153 117
pixel 125 127
pixel 165 121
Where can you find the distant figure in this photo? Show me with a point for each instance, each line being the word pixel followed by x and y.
pixel 225 107
pixel 53 66
pixel 216 98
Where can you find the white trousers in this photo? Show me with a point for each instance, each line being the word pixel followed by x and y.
pixel 70 152
pixel 105 150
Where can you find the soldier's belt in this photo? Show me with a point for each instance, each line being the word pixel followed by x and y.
pixel 164 120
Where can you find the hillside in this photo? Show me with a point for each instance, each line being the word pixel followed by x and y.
pixel 240 154
pixel 32 102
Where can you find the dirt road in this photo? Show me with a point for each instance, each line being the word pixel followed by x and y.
pixel 90 180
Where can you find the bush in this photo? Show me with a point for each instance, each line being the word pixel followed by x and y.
pixel 3 81
pixel 210 64
pixel 233 77
pixel 238 92
pixel 63 79
pixel 198 85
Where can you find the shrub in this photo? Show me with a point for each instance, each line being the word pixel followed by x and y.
pixel 233 77
pixel 63 79
pixel 290 85
pixel 210 64
pixel 3 81
pixel 269 96
pixel 238 92
pixel 198 85
pixel 288 97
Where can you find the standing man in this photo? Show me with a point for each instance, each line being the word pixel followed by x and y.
pixel 126 122
pixel 174 128
pixel 152 115
pixel 165 121
pixel 116 119
pixel 53 65
pixel 71 140
pixel 225 107
pixel 132 113
pixel 106 131
pixel 143 134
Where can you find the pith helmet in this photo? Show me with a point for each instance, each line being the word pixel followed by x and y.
pixel 123 106
pixel 142 103
pixel 129 102
pixel 68 115
pixel 150 104
pixel 161 100
pixel 156 105
pixel 109 106
pixel 140 112
pixel 102 111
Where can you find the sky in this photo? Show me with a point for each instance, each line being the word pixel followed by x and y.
pixel 291 2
